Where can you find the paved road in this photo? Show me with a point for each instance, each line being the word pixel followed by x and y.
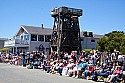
pixel 18 74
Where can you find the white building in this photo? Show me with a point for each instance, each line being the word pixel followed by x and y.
pixel 89 40
pixel 30 38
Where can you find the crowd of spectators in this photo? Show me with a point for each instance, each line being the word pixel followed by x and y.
pixel 95 65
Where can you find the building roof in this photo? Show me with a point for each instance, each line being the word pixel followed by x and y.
pixel 37 30
pixel 97 36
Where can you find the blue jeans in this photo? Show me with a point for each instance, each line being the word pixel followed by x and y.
pixel 93 62
pixel 105 75
pixel 60 70
pixel 24 61
pixel 46 68
pixel 87 73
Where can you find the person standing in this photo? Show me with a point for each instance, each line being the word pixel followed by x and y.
pixel 23 59
pixel 120 59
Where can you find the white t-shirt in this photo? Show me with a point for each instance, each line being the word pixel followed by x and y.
pixel 113 56
pixel 120 58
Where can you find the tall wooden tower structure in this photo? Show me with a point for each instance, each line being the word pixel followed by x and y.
pixel 66 31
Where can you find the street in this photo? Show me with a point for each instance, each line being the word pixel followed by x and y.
pixel 17 74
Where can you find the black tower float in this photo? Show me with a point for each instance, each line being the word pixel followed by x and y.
pixel 66 31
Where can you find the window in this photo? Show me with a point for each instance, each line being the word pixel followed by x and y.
pixel 47 38
pixel 92 40
pixel 26 37
pixel 33 37
pixel 40 37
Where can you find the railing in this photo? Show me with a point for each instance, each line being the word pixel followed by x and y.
pixel 9 42
pixel 19 41
pixel 16 41
pixel 66 10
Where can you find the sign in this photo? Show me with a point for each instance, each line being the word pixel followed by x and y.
pixel 41 48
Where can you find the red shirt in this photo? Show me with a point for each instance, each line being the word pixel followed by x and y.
pixel 91 69
pixel 48 64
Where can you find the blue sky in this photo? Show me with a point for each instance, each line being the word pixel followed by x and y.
pixel 99 16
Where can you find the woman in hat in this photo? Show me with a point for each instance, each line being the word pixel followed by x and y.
pixel 90 70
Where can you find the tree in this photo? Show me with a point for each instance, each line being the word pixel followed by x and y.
pixel 122 47
pixel 101 44
pixel 113 40
pixel 4 50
